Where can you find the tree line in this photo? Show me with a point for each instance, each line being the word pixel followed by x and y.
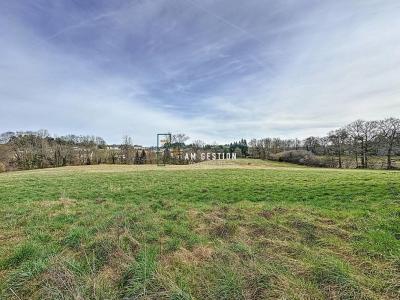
pixel 360 144
pixel 38 149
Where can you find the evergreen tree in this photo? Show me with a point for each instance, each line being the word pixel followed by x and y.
pixel 143 157
pixel 136 160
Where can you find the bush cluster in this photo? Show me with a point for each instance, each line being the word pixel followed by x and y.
pixel 302 157
pixel 2 167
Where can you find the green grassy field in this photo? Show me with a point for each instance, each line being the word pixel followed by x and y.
pixel 236 230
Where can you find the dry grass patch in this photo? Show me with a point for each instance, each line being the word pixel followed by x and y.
pixel 60 282
pixel 196 256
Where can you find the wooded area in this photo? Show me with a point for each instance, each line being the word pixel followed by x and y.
pixel 33 150
pixel 360 144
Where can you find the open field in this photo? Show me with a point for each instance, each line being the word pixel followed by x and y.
pixel 243 229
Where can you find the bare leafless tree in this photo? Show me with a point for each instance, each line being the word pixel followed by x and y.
pixel 179 138
pixel 390 135
pixel 354 131
pixel 198 145
pixel 178 142
pixel 369 132
pixel 127 149
pixel 338 139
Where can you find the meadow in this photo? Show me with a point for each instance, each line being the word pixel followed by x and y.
pixel 245 229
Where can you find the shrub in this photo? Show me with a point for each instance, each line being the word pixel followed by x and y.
pixel 2 167
pixel 294 156
pixel 301 157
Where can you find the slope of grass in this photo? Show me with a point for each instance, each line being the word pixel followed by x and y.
pixel 235 230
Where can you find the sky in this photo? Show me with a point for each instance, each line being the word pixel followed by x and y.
pixel 217 70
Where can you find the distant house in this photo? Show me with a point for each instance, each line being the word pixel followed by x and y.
pixel 113 147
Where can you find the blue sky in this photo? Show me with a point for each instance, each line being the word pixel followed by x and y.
pixel 217 70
